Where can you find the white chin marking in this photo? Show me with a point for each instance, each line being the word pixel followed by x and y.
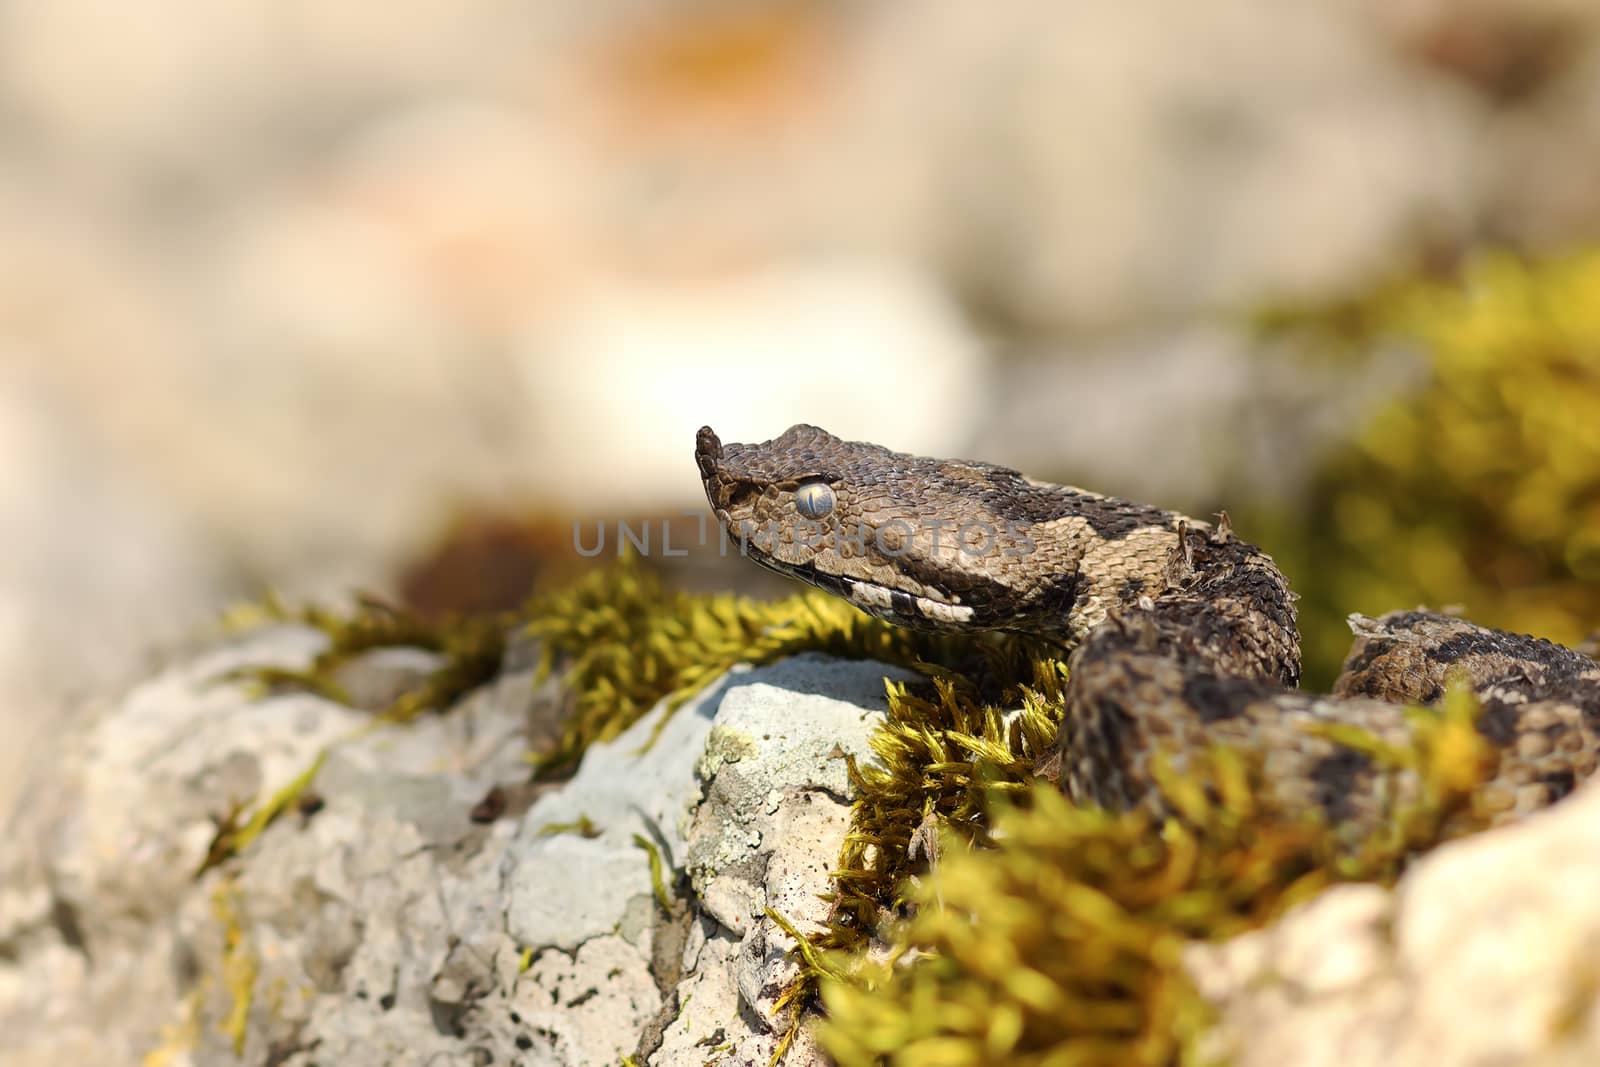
pixel 876 597
pixel 871 596
pixel 944 612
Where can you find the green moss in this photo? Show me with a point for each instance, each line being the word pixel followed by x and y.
pixel 583 826
pixel 1056 935
pixel 472 648
pixel 235 833
pixel 948 754
pixel 240 965
pixel 658 883
pixel 623 642
pixel 945 760
pixel 1483 488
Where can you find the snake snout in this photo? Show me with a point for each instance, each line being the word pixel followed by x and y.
pixel 707 451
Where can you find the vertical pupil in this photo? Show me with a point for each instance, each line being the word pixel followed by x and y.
pixel 814 500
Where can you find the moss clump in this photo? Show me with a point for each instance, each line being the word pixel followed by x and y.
pixel 1481 489
pixel 947 757
pixel 620 639
pixel 472 647
pixel 624 642
pixel 1061 941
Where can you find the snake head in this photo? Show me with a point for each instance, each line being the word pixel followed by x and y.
pixel 737 477
pixel 926 543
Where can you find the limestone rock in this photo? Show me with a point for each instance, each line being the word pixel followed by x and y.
pixel 381 924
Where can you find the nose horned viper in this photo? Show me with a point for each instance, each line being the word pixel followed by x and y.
pixel 1182 634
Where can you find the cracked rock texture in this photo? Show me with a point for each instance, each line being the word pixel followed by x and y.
pixel 380 924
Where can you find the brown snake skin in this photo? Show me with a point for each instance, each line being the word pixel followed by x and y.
pixel 1182 634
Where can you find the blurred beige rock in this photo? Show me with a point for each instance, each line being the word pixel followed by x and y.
pixel 617 385
pixel 1109 165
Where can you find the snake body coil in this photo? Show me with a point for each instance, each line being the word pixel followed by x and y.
pixel 1183 634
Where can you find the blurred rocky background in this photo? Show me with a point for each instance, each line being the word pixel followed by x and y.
pixel 322 296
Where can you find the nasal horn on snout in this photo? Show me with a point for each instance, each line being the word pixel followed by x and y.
pixel 707 451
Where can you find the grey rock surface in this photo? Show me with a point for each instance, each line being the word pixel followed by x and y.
pixel 385 926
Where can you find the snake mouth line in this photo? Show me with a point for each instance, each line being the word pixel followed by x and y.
pixel 892 605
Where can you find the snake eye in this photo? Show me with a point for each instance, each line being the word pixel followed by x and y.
pixel 814 500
